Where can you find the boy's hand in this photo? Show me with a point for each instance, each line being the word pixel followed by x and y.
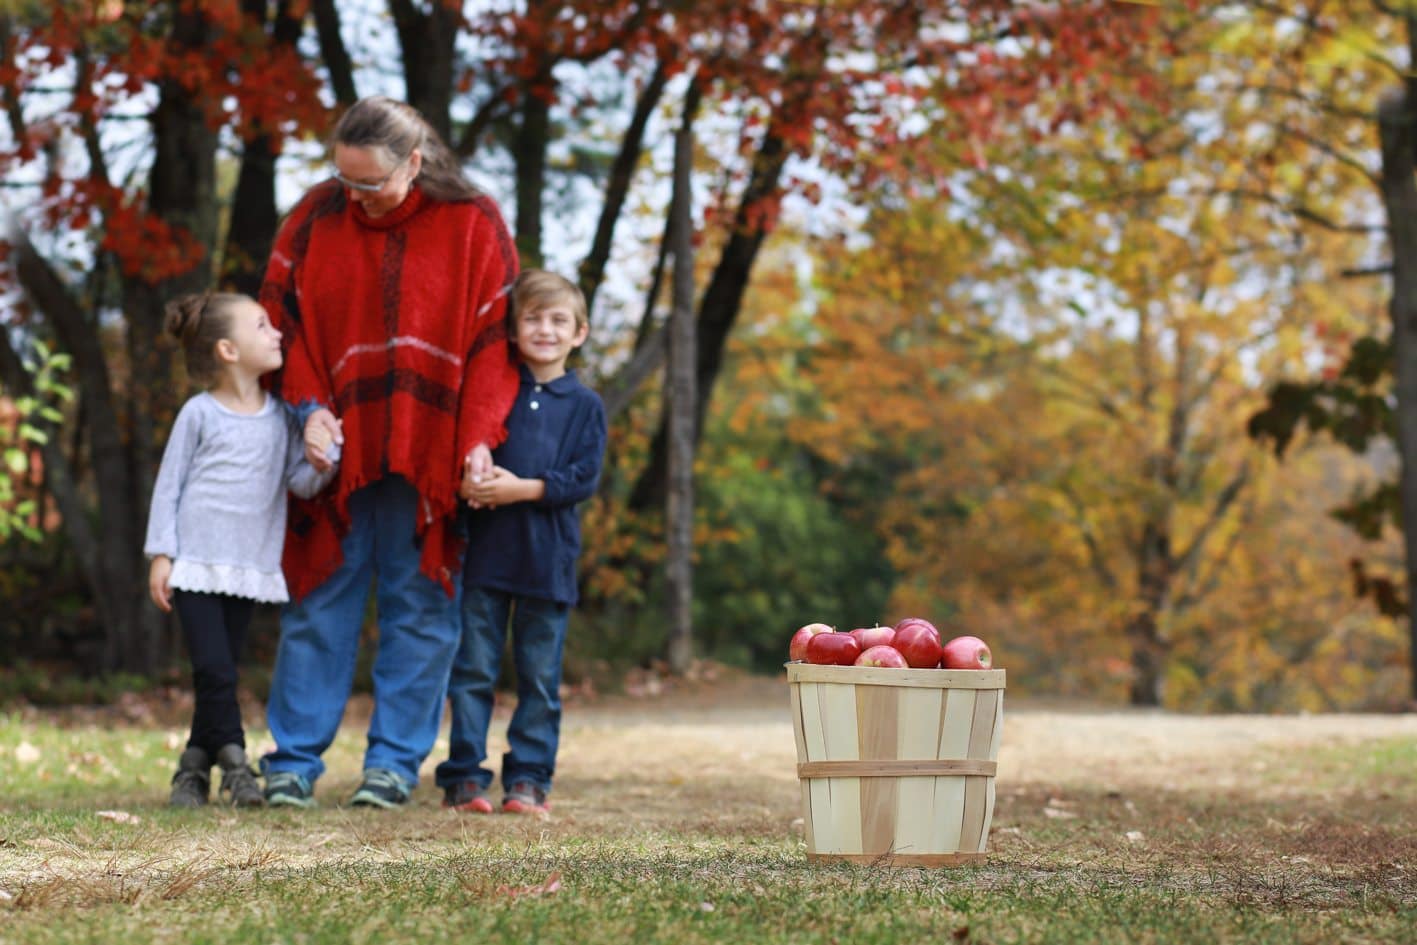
pixel 504 487
pixel 158 574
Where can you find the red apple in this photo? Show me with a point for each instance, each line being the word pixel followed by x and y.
pixel 832 649
pixel 868 637
pixel 882 654
pixel 907 621
pixel 966 653
pixel 919 642
pixel 797 646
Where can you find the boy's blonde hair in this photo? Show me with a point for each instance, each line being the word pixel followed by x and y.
pixel 537 288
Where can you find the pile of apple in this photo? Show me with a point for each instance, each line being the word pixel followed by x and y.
pixel 913 643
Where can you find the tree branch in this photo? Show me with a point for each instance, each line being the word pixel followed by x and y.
pixel 333 51
pixel 1095 555
pixel 619 390
pixel 592 269
pixel 1186 560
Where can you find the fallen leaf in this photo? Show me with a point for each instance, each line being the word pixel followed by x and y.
pixel 120 817
pixel 551 885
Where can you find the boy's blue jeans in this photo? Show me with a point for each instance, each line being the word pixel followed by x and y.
pixel 538 639
pixel 319 644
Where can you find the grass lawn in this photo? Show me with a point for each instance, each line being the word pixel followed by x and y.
pixel 676 819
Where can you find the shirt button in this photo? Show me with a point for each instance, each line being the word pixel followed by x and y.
pixel 538 388
pixel 535 405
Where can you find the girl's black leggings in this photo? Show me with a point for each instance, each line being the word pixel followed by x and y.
pixel 215 627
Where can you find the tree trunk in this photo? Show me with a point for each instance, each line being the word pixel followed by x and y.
pixel 681 406
pixel 719 309
pixel 254 218
pixel 1143 630
pixel 529 153
pixel 107 571
pixel 1397 113
pixel 427 41
pixel 333 51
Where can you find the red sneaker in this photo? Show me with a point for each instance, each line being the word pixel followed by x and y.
pixel 468 797
pixel 525 798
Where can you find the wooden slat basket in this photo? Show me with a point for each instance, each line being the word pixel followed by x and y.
pixel 897 765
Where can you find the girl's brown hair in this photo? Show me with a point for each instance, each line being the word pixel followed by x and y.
pixel 384 124
pixel 199 321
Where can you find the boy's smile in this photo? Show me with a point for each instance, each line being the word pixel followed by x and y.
pixel 546 337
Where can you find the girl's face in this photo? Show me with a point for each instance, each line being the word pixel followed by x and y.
pixel 254 343
pixel 369 182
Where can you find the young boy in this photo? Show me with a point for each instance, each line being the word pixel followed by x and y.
pixel 524 538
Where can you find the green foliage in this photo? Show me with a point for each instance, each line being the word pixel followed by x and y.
pixel 786 556
pixel 39 686
pixel 37 412
pixel 1356 408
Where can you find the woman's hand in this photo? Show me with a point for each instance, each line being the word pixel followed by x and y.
pixel 479 462
pixel 476 467
pixel 158 574
pixel 321 430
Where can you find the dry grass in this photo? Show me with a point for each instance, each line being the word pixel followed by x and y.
pixel 676 819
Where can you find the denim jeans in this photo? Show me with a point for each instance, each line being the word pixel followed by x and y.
pixel 319 643
pixel 538 638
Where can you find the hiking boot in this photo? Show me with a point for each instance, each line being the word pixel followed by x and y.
pixel 523 797
pixel 193 779
pixel 238 781
pixel 469 797
pixel 381 788
pixel 288 789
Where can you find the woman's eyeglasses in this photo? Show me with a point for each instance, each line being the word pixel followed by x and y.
pixel 369 187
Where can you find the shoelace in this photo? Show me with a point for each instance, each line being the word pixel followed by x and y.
pixel 385 779
pixel 285 779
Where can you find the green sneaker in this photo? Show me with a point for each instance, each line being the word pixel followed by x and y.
pixel 381 788
pixel 288 789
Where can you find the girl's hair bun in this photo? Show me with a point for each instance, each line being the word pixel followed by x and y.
pixel 199 321
pixel 184 314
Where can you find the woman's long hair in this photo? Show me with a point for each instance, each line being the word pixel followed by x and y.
pixel 387 125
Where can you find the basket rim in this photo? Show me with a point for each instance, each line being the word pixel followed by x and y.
pixel 799 672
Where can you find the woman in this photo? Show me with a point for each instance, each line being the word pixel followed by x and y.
pixel 389 283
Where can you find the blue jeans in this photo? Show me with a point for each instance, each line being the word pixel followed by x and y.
pixel 538 638
pixel 319 643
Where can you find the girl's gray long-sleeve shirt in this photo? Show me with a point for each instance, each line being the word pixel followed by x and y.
pixel 218 506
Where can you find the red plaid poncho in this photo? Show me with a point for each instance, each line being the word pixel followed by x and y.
pixel 397 324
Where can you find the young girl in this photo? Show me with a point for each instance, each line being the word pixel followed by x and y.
pixel 217 524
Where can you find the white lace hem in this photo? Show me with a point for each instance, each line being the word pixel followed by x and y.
pixel 231 579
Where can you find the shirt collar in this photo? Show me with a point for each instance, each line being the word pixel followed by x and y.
pixel 560 386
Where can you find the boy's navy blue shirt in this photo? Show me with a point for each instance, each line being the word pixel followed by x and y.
pixel 555 433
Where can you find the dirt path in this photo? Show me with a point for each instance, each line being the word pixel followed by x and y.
pixel 745 721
